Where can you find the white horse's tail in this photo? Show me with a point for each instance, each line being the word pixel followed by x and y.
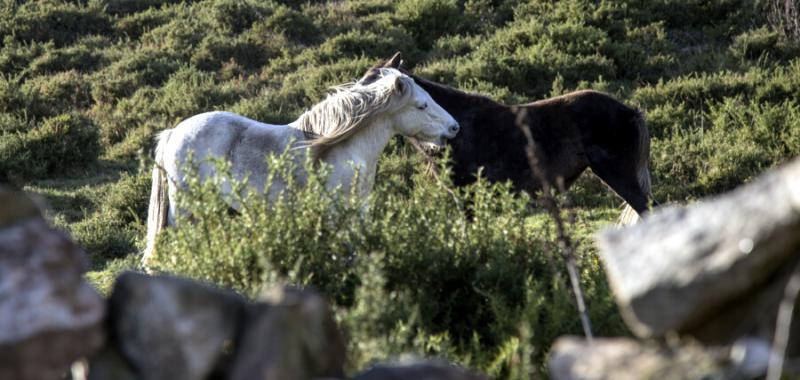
pixel 629 215
pixel 158 211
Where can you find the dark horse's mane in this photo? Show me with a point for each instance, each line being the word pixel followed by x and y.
pixel 573 131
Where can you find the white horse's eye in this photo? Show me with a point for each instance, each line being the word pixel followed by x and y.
pixel 422 106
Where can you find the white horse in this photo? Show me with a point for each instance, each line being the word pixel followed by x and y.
pixel 348 130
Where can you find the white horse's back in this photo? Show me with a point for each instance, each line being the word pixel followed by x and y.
pixel 243 142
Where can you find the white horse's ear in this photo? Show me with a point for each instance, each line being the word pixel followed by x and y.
pixel 399 85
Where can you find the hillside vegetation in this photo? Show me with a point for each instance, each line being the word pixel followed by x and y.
pixel 471 275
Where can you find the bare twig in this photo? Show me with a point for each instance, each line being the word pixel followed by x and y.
pixel 434 170
pixel 549 202
pixel 783 326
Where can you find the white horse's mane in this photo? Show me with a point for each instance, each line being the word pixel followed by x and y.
pixel 351 107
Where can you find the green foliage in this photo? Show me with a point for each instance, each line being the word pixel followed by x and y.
pixel 292 24
pixel 216 51
pixel 15 56
pixel 237 16
pixel 145 67
pixel 12 100
pixel 357 42
pixel 80 58
pixel 63 143
pixel 428 20
pixel 115 227
pixel 461 283
pixel 190 91
pixel 49 95
pixel 62 23
pixel 761 42
pixel 119 7
pixel 136 24
pixel 10 123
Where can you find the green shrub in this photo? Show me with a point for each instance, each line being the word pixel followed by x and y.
pixel 16 56
pixel 62 23
pixel 264 108
pixel 179 36
pixel 123 7
pixel 527 56
pixel 453 46
pixel 237 16
pixel 731 143
pixel 105 237
pixel 468 280
pixel 365 43
pixel 346 16
pixel 294 25
pixel 302 88
pixel 717 16
pixel 758 42
pixel 145 67
pixel 216 51
pixel 190 91
pixel 10 123
pixel 50 95
pixel 427 20
pixel 134 25
pixel 113 230
pixel 643 53
pixel 60 144
pixel 12 99
pixel 81 58
pixel 128 198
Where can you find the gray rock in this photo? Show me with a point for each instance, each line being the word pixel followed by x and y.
pixel 49 316
pixel 573 358
pixel 108 364
pixel 419 370
pixel 170 328
pixel 684 267
pixel 292 335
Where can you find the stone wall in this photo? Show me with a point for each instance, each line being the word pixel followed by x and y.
pixel 707 278
pixel 54 325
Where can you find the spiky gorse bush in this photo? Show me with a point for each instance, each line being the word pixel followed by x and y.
pixel 416 269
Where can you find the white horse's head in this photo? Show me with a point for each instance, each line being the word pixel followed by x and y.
pixel 415 114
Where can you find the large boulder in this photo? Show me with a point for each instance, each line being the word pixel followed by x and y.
pixel 108 364
pixel 573 358
pixel 715 269
pixel 49 316
pixel 170 328
pixel 291 334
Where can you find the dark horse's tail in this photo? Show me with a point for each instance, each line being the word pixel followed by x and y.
pixel 629 215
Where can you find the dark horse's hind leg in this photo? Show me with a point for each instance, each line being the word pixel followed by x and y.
pixel 620 175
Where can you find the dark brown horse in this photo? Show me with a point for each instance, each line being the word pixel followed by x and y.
pixel 573 131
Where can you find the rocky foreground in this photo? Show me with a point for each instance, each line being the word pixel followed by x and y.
pixel 702 287
pixel 708 289
pixel 54 325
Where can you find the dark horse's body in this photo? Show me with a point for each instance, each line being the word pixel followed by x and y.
pixel 573 131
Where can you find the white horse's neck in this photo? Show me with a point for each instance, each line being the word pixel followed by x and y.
pixel 359 153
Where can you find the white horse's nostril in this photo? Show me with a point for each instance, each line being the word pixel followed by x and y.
pixel 454 128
